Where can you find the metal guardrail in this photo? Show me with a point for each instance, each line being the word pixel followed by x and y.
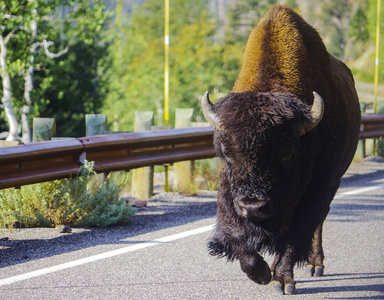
pixel 372 126
pixel 44 161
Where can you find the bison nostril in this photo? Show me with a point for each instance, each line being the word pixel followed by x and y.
pixel 252 209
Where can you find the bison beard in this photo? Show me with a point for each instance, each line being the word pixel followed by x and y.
pixel 284 149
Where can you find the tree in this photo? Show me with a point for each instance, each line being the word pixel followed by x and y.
pixel 19 31
pixel 37 33
pixel 28 78
pixel 361 41
pixel 7 88
pixel 371 25
pixel 200 58
pixel 140 84
pixel 334 27
pixel 11 25
pixel 75 85
pixel 244 15
pixel 292 4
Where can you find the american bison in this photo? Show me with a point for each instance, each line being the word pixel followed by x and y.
pixel 285 135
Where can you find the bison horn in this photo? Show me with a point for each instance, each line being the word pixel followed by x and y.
pixel 208 112
pixel 317 112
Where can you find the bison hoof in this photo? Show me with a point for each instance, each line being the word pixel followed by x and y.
pixel 311 270
pixel 279 289
pixel 319 271
pixel 263 276
pixel 289 289
pixel 256 269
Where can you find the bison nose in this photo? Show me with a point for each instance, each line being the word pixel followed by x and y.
pixel 252 209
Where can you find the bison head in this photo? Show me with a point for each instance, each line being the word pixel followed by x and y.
pixel 266 150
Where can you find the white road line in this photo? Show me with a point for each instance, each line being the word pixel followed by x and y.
pixel 360 191
pixel 143 245
pixel 104 255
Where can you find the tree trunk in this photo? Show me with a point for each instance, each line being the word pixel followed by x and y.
pixel 7 93
pixel 28 87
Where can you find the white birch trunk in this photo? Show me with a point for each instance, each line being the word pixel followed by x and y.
pixel 7 93
pixel 28 87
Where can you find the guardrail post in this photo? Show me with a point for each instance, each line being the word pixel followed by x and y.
pixel 214 161
pixel 142 178
pixel 43 129
pixel 360 151
pixel 96 124
pixel 166 182
pixel 183 170
pixel 4 144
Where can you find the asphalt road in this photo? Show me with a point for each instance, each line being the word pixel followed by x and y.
pixel 163 255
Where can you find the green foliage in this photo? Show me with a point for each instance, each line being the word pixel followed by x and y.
pixel 139 60
pixel 244 15
pixel 334 18
pixel 358 31
pixel 348 28
pixel 371 25
pixel 115 60
pixel 68 87
pixel 75 84
pixel 65 202
pixel 16 18
pixel 199 60
pixel 292 4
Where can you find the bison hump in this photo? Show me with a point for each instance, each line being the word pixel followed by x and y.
pixel 283 50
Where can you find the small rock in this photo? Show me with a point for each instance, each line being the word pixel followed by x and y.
pixel 64 229
pixel 4 239
pixel 134 202
pixel 128 200
pixel 138 203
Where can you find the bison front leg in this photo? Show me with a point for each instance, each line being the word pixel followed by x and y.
pixel 256 268
pixel 315 265
pixel 282 281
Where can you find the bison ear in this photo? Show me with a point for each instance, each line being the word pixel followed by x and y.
pixel 208 111
pixel 317 112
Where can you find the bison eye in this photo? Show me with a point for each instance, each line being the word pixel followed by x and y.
pixel 286 158
pixel 285 162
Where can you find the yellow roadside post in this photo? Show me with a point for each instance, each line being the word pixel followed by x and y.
pixel 376 64
pixel 166 79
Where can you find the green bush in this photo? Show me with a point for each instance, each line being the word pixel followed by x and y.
pixel 66 202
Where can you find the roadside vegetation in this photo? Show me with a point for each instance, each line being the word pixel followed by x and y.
pixel 77 202
pixel 66 202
